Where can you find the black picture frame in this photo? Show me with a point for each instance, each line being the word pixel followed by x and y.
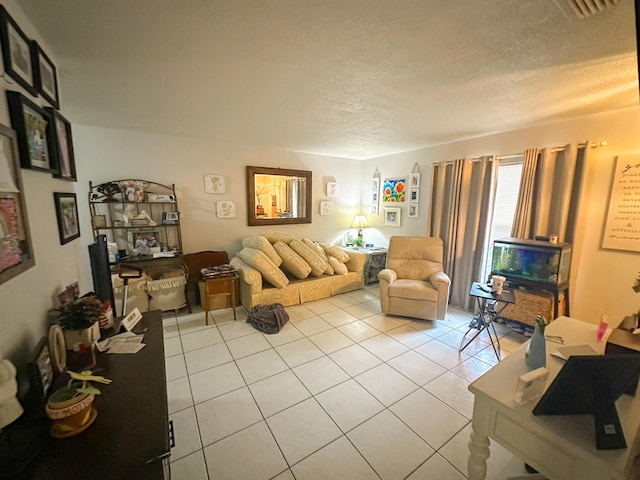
pixel 16 52
pixel 170 218
pixel 17 255
pixel 45 75
pixel 63 160
pixel 31 122
pixel 67 214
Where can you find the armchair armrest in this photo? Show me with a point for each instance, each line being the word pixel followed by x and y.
pixel 387 275
pixel 439 279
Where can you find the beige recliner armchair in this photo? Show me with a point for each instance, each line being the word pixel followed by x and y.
pixel 413 283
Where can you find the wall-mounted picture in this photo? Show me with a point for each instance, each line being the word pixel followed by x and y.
pixel 45 76
pixel 226 209
pixel 35 135
pixel 333 189
pixel 214 183
pixel 67 213
pixel 414 195
pixel 392 216
pixel 393 190
pixel 170 218
pixel 16 255
pixel 375 184
pixel 413 210
pixel 414 180
pixel 326 207
pixel 374 197
pixel 374 209
pixel 16 52
pixel 63 160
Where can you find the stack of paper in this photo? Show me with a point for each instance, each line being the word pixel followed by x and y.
pixel 127 342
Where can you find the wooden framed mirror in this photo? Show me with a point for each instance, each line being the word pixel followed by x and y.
pixel 278 196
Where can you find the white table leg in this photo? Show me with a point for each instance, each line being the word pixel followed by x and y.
pixel 478 454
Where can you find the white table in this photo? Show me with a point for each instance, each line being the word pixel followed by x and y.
pixel 559 447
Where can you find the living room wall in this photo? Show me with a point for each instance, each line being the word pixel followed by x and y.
pixel 25 299
pixel 601 279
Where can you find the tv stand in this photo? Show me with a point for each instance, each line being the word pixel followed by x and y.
pixel 609 434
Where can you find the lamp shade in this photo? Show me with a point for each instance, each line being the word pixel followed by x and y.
pixel 360 221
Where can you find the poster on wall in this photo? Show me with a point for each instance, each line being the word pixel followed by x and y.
pixel 393 190
pixel 622 227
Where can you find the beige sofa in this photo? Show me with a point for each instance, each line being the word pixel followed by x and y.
pixel 263 282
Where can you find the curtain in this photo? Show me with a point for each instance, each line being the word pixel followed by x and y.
pixel 461 206
pixel 551 186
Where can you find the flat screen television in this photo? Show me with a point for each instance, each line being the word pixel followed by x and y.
pixel 101 270
pixel 590 385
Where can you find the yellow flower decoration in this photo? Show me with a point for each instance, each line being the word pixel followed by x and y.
pixel 85 377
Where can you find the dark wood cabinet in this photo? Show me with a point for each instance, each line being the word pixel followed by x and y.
pixel 130 437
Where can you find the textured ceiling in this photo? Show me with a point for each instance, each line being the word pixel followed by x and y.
pixel 356 78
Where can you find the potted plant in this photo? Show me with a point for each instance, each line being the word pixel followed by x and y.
pixel 70 407
pixel 79 320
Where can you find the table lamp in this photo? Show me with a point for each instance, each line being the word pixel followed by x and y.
pixel 360 222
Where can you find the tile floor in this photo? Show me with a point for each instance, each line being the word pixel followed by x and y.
pixel 342 392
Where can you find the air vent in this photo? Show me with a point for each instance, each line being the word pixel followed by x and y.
pixel 585 8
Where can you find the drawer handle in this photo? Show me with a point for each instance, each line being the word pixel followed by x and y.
pixel 172 436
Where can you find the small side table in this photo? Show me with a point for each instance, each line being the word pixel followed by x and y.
pixel 375 262
pixel 485 319
pixel 219 286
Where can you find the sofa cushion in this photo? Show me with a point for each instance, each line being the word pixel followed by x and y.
pixel 315 246
pixel 266 267
pixel 317 264
pixel 291 261
pixel 339 267
pixel 335 251
pixel 262 243
pixel 274 237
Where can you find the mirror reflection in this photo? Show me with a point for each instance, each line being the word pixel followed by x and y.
pixel 278 196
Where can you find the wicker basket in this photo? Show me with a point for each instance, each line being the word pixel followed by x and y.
pixel 531 303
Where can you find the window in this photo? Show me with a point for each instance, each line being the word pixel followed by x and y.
pixel 507 187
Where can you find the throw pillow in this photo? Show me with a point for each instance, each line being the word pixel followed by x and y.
pixel 291 261
pixel 339 267
pixel 259 261
pixel 262 243
pixel 274 237
pixel 335 251
pixel 313 259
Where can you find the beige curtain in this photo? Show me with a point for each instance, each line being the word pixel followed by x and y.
pixel 549 194
pixel 461 205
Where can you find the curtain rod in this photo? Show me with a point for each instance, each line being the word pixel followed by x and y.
pixel 553 150
pixel 516 155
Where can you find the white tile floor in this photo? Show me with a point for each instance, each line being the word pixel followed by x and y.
pixel 342 392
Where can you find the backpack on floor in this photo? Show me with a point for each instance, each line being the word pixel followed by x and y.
pixel 268 318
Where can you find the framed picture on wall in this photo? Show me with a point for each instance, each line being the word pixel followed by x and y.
pixel 326 207
pixel 35 133
pixel 45 76
pixel 413 210
pixel 214 183
pixel 414 195
pixel 414 180
pixel 226 209
pixel 16 256
pixel 392 216
pixel 63 160
pixel 16 52
pixel 67 213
